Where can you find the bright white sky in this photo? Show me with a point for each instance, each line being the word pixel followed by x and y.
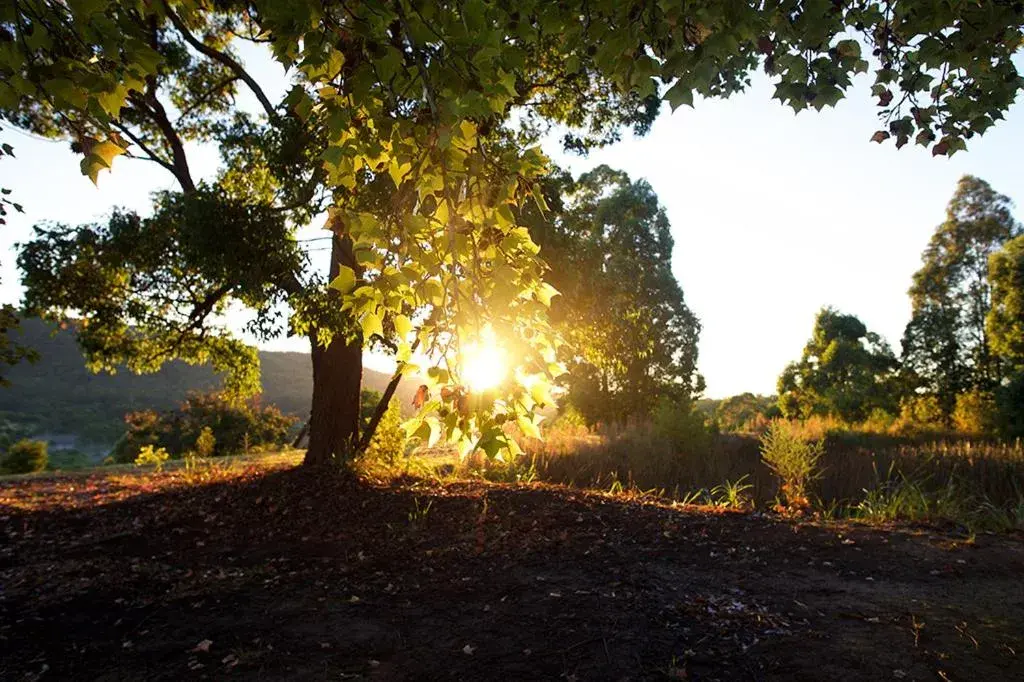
pixel 774 215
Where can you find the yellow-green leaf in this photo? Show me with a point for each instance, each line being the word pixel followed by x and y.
pixel 527 426
pixel 345 282
pixel 545 292
pixel 403 325
pixel 371 325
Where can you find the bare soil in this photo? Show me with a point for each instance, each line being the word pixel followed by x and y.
pixel 289 574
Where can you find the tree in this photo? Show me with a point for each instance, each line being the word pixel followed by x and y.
pixel 25 457
pixel 422 94
pixel 945 346
pixel 629 337
pixel 11 351
pixel 1005 321
pixel 234 426
pixel 845 371
pixel 744 412
pixel 1005 326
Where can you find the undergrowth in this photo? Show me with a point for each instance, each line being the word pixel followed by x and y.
pixel 877 479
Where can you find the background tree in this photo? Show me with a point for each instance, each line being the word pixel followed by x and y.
pixel 746 412
pixel 845 371
pixel 1005 326
pixel 629 337
pixel 11 350
pixel 422 93
pixel 945 345
pixel 236 426
pixel 1005 321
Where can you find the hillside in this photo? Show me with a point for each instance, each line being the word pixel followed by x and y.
pixel 59 397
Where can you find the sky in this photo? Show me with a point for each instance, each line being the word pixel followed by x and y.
pixel 774 214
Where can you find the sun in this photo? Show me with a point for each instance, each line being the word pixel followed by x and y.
pixel 484 363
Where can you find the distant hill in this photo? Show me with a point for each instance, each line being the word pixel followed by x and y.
pixel 58 399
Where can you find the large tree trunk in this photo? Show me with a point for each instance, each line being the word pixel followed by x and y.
pixel 337 381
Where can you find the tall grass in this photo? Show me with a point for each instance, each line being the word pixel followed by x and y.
pixel 874 476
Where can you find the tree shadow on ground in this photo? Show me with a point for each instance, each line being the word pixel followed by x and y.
pixel 304 575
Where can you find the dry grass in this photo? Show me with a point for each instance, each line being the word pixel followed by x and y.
pixel 870 475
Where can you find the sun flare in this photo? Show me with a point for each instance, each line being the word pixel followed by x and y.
pixel 484 363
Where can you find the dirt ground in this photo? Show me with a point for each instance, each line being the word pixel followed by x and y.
pixel 284 574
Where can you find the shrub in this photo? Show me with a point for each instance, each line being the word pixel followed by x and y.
pixel 570 416
pixel 142 428
pixel 680 424
pixel 975 413
pixel 878 421
pixel 793 460
pixel 70 459
pixel 205 443
pixel 388 442
pixel 1010 403
pixel 235 426
pixel 919 413
pixel 25 457
pixel 151 455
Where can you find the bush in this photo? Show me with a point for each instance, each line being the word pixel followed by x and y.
pixel 975 413
pixel 70 459
pixel 793 460
pixel 571 417
pixel 388 442
pixel 680 424
pixel 919 413
pixel 143 428
pixel 235 426
pixel 1010 404
pixel 150 455
pixel 878 421
pixel 205 443
pixel 25 457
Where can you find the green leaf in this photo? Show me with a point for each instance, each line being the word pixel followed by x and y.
pixel 489 442
pixel 106 152
pixel 435 432
pixel 848 48
pixel 679 94
pixel 422 431
pixel 541 393
pixel 333 156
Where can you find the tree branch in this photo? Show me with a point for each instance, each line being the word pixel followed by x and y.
pixel 142 145
pixel 179 167
pixel 382 406
pixel 204 307
pixel 223 58
pixel 206 95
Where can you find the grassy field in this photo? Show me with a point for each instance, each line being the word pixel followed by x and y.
pixel 878 478
pixel 976 485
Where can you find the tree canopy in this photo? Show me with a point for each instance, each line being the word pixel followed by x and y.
pixel 414 123
pixel 945 346
pixel 629 337
pixel 845 371
pixel 745 411
pixel 1005 321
